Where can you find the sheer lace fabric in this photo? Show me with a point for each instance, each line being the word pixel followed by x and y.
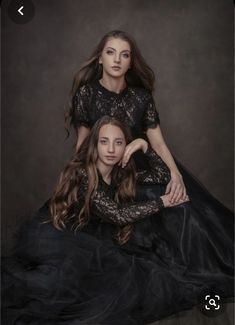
pixel 134 106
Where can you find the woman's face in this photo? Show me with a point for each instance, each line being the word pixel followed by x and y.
pixel 111 145
pixel 115 58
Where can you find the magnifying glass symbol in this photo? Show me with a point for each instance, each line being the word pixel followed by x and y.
pixel 212 302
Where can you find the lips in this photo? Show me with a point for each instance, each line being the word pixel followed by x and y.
pixel 116 68
pixel 110 157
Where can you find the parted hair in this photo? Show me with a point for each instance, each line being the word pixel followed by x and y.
pixel 70 202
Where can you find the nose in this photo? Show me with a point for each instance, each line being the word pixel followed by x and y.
pixel 117 58
pixel 111 147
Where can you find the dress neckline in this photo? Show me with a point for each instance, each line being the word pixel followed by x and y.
pixel 101 178
pixel 109 92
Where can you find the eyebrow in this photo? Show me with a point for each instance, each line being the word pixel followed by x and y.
pixel 109 47
pixel 106 138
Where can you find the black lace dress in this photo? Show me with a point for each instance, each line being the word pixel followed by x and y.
pixel 174 257
pixel 134 106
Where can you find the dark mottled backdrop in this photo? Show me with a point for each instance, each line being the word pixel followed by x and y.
pixel 189 45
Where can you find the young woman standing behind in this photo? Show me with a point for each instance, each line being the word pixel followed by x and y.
pixel 116 81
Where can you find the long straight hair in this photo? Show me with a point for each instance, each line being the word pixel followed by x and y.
pixel 69 201
pixel 139 74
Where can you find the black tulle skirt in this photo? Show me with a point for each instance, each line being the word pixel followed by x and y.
pixel 170 262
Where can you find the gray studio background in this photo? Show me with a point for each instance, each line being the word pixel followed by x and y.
pixel 188 44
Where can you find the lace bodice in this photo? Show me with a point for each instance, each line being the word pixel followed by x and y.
pixel 134 106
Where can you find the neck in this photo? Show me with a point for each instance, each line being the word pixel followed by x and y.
pixel 113 84
pixel 105 171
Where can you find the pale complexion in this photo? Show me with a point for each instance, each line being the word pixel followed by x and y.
pixel 111 146
pixel 116 60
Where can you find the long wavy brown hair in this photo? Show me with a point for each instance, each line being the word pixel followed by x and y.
pixel 140 74
pixel 69 200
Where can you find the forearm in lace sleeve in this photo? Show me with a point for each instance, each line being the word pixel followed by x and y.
pixel 158 173
pixel 109 211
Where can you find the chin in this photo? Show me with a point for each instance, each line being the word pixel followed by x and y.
pixel 111 163
pixel 116 74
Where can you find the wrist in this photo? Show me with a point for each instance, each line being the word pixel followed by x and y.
pixel 175 172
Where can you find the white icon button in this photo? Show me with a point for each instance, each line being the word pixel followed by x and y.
pixel 20 11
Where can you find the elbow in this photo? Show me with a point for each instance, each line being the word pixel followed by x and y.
pixel 117 221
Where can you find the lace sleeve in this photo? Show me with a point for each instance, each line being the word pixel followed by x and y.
pixel 151 117
pixel 158 173
pixel 81 107
pixel 108 210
